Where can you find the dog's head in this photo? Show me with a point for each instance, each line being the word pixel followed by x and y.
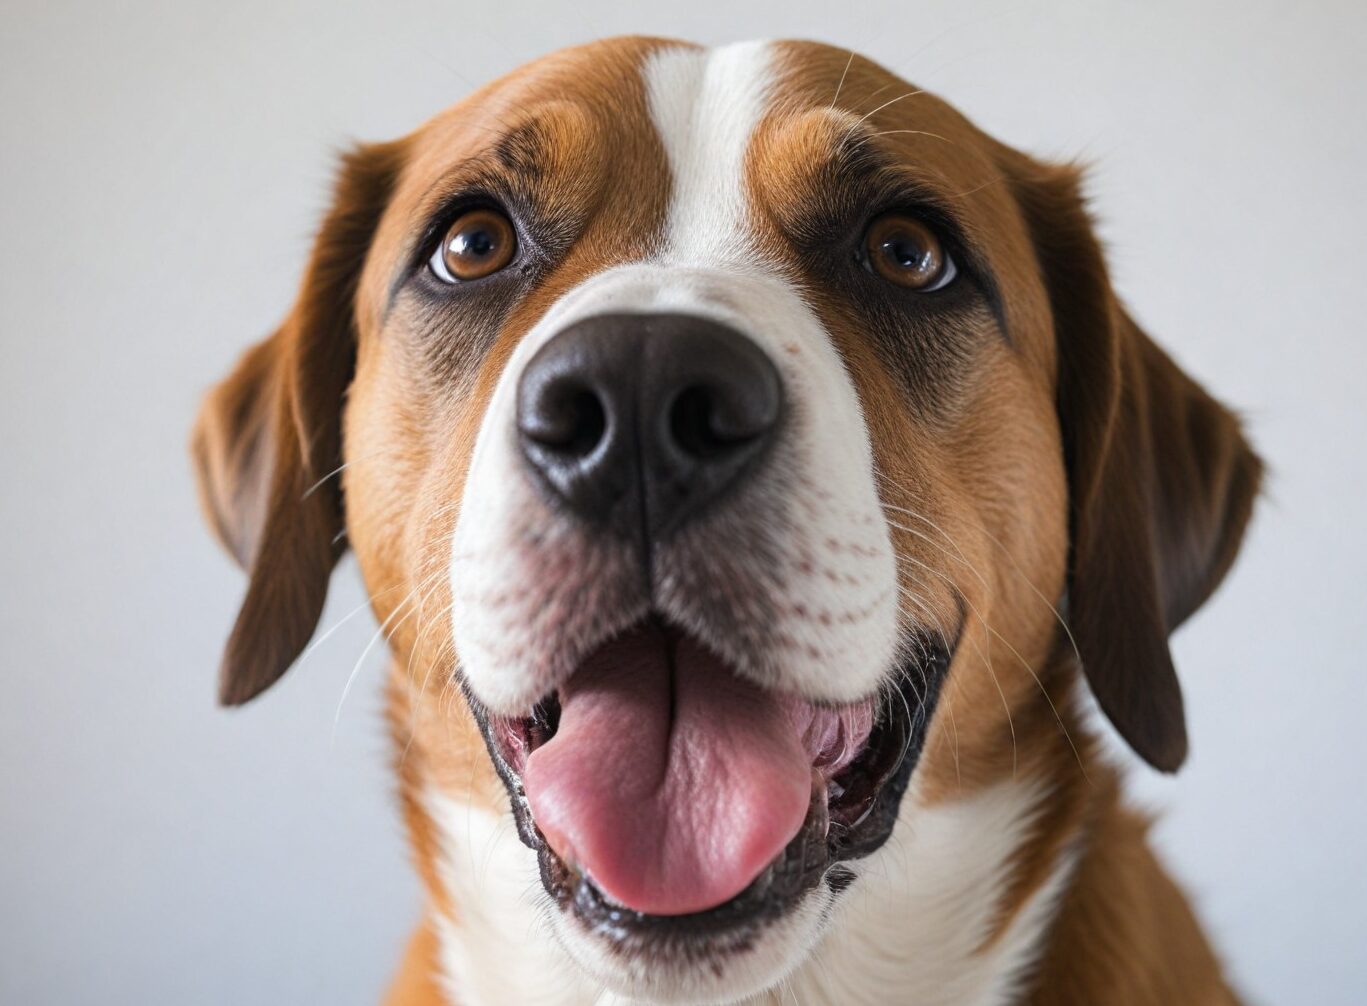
pixel 710 421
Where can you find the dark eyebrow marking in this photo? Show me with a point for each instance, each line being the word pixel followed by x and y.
pixel 521 151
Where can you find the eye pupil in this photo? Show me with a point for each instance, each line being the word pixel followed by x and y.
pixel 906 253
pixel 478 243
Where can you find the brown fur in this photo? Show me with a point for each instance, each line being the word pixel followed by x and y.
pixel 1063 453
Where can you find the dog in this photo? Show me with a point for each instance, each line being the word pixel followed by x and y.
pixel 751 468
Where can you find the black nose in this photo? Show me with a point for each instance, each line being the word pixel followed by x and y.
pixel 638 421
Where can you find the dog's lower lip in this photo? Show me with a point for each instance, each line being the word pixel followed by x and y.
pixel 848 819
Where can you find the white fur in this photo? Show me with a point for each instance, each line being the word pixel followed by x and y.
pixel 705 105
pixel 498 949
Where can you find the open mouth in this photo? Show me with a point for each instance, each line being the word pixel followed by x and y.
pixel 667 797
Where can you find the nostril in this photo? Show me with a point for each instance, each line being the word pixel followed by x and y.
pixel 569 419
pixel 696 426
pixel 716 418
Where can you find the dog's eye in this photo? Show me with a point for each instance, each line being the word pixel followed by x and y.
pixel 905 251
pixel 478 244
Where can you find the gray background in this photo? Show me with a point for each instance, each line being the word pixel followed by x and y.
pixel 162 167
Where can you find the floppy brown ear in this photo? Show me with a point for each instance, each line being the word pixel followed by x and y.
pixel 1161 480
pixel 269 433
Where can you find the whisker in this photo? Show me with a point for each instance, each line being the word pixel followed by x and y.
pixel 432 585
pixel 841 82
pixel 337 471
pixel 1067 734
pixel 440 566
pixel 986 659
pixel 865 117
pixel 413 702
pixel 954 732
pixel 897 132
pixel 994 180
pixel 936 545
pixel 931 616
pixel 342 621
pixel 1037 592
pixel 938 624
pixel 346 690
pixel 1015 564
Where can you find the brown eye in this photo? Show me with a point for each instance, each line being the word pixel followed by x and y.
pixel 905 251
pixel 478 244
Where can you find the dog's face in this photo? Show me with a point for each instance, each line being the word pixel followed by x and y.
pixel 722 430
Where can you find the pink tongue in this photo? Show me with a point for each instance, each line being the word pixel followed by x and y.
pixel 673 787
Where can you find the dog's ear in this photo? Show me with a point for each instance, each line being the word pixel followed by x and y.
pixel 1161 480
pixel 268 436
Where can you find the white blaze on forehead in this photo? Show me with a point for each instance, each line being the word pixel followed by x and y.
pixel 704 104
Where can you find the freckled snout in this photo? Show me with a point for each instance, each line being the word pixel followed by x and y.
pixel 638 422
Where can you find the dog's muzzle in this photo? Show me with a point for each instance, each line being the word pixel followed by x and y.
pixel 675 611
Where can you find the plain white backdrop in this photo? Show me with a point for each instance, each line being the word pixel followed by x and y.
pixel 161 168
